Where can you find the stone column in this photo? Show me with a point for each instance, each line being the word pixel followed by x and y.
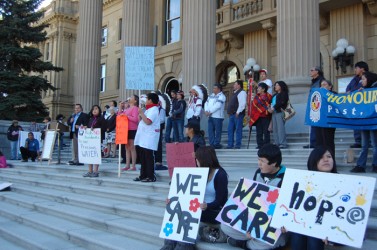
pixel 198 43
pixel 136 32
pixel 298 42
pixel 88 57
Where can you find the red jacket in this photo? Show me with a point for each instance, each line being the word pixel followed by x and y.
pixel 259 107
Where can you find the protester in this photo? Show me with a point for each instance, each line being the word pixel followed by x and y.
pixel 76 120
pixel 214 110
pixel 316 74
pixel 320 160
pixel 96 121
pixel 110 133
pixel 169 121
pixel 123 106
pixel 31 149
pixel 195 135
pixel 194 109
pixel 279 101
pixel 59 119
pixel 354 85
pixel 263 78
pixel 236 111
pixel 178 117
pixel 34 127
pixel 326 136
pixel 271 173
pixel 260 117
pixel 147 136
pixel 3 161
pixel 369 80
pixel 133 120
pixel 158 153
pixel 215 197
pixel 12 135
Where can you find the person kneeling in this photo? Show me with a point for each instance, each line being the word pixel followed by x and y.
pixel 31 149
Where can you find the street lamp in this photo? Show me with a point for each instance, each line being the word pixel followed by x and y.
pixel 343 54
pixel 251 69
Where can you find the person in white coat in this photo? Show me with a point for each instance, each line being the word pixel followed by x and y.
pixel 214 110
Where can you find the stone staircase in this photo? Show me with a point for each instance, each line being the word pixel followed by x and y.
pixel 53 207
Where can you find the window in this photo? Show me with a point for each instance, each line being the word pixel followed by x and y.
pixel 120 29
pixel 47 52
pixel 104 36
pixel 103 77
pixel 118 72
pixel 173 21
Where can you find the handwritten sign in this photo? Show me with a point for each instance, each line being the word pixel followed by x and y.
pixel 48 144
pixel 121 129
pixel 182 213
pixel 179 155
pixel 89 143
pixel 325 205
pixel 250 208
pixel 139 68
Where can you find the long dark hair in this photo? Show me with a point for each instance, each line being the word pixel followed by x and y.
pixel 99 108
pixel 136 97
pixel 207 157
pixel 316 155
pixel 283 86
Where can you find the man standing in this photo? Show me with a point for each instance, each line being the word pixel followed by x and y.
pixel 214 110
pixel 12 134
pixel 354 85
pixel 77 119
pixel 317 76
pixel 169 120
pixel 263 78
pixel 236 112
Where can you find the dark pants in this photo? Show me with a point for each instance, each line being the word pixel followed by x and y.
pixel 312 136
pixel 123 153
pixel 263 135
pixel 300 242
pixel 26 154
pixel 209 216
pixel 158 153
pixel 147 163
pixel 169 127
pixel 325 137
pixel 357 136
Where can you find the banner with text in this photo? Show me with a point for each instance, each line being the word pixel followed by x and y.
pixel 89 146
pixel 180 155
pixel 182 213
pixel 323 205
pixel 250 208
pixel 139 68
pixel 356 110
pixel 121 129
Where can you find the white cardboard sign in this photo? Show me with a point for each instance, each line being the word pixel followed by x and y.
pixel 324 205
pixel 89 143
pixel 182 213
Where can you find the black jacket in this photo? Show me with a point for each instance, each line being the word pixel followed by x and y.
pixel 111 123
pixel 281 101
pixel 99 123
pixel 83 120
pixel 11 129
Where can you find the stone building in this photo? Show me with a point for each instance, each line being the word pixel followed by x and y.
pixel 199 41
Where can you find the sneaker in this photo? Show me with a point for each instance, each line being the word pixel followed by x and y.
pixel 237 243
pixel 218 146
pixel 229 147
pixel 358 169
pixel 355 145
pixel 212 235
pixel 89 174
pixel 24 160
pixel 95 174
pixel 125 169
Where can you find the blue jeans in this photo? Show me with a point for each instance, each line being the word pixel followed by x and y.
pixel 178 130
pixel 215 127
pixel 169 126
pixel 14 150
pixel 235 124
pixel 367 135
pixel 300 242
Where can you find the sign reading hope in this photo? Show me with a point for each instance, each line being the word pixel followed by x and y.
pixel 250 208
pixel 325 205
pixel 182 214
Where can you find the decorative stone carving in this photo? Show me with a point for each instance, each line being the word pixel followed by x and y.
pixel 269 25
pixel 234 40
pixel 372 6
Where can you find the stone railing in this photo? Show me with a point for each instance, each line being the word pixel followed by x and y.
pixel 230 13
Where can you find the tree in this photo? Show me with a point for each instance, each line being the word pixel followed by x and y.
pixel 21 67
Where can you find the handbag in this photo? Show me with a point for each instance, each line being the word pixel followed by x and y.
pixel 289 111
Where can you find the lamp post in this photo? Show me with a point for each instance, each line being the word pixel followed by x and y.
pixel 251 69
pixel 343 54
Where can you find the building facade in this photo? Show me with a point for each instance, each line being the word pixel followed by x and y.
pixel 200 41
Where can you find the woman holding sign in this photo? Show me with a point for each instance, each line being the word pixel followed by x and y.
pixel 96 121
pixel 321 159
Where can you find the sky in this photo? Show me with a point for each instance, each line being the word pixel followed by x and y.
pixel 45 3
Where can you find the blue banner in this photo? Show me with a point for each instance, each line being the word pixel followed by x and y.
pixel 139 68
pixel 356 110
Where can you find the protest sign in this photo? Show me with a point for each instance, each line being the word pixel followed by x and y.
pixel 356 110
pixel 139 68
pixel 89 145
pixel 121 129
pixel 250 208
pixel 182 213
pixel 180 155
pixel 48 144
pixel 324 205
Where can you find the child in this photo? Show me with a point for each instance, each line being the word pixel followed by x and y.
pixel 147 136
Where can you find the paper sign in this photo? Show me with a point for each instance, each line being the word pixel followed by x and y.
pixel 48 144
pixel 121 129
pixel 89 143
pixel 139 64
pixel 179 155
pixel 182 213
pixel 250 208
pixel 325 205
pixel 5 185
